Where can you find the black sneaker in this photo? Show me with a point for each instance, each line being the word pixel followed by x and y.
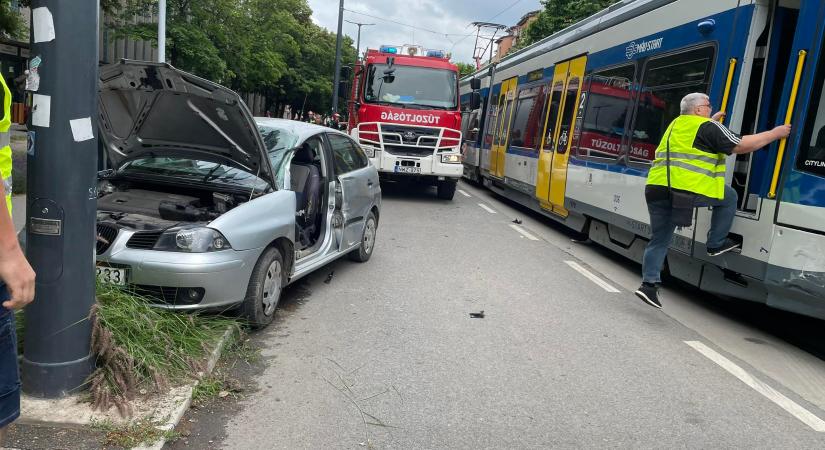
pixel 726 247
pixel 650 294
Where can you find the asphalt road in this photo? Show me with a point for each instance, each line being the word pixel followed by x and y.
pixel 386 355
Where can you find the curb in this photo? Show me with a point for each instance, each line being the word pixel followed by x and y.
pixel 177 414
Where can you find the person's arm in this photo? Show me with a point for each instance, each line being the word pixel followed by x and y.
pixel 754 142
pixel 15 270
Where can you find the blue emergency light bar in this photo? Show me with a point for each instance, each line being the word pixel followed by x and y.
pixel 388 49
pixel 412 51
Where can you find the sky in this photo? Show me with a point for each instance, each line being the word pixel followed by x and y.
pixel 447 22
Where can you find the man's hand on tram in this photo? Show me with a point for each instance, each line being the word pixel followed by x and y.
pixel 782 131
pixel 719 116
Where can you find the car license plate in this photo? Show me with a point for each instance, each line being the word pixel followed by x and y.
pixel 111 275
pixel 407 169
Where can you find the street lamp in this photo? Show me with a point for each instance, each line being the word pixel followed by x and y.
pixel 358 45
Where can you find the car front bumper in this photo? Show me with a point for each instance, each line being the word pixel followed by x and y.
pixel 222 276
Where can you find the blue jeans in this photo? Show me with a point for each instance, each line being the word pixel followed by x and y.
pixel 9 374
pixel 662 229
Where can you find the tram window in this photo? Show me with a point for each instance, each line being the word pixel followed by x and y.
pixel 552 116
pixel 492 115
pixel 526 117
pixel 567 117
pixel 505 120
pixel 812 155
pixel 608 101
pixel 666 81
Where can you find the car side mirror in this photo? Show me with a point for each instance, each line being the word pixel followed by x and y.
pixel 475 84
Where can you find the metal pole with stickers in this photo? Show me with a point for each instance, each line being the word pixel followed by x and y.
pixel 60 213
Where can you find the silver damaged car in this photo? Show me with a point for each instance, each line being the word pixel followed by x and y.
pixel 206 207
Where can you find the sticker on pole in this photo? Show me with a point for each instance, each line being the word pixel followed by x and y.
pixel 33 74
pixel 41 110
pixel 82 129
pixel 43 25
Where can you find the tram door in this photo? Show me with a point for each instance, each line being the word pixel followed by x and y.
pixel 558 136
pixel 498 152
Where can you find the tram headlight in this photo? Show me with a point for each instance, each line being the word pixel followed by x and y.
pixel 451 159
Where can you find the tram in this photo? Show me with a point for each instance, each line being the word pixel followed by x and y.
pixel 569 127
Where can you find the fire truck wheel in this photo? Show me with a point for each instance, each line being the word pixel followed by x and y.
pixel 446 189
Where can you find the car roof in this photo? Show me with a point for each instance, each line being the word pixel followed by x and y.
pixel 301 129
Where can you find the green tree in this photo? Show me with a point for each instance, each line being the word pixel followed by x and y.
pixel 269 47
pixel 465 69
pixel 558 15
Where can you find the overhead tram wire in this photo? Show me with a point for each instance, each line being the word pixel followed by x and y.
pixel 439 33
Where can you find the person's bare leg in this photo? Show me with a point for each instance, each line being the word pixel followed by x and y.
pixel 3 435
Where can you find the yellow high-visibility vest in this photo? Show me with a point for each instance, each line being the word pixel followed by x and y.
pixel 5 143
pixel 691 169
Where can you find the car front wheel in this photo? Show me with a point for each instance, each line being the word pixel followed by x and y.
pixel 264 290
pixel 364 252
pixel 446 189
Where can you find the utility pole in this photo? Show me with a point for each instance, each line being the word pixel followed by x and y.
pixel 358 44
pixel 62 194
pixel 339 41
pixel 161 30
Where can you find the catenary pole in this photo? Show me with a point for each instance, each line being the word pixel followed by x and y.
pixel 161 30
pixel 358 41
pixel 339 41
pixel 62 193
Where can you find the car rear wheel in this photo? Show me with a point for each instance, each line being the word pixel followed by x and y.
pixel 446 189
pixel 264 290
pixel 364 252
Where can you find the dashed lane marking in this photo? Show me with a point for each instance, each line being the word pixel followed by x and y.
pixel 785 403
pixel 524 232
pixel 590 276
pixel 461 191
pixel 487 208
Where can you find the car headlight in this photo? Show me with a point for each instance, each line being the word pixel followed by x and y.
pixel 451 159
pixel 193 239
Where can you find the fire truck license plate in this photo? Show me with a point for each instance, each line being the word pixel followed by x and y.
pixel 407 169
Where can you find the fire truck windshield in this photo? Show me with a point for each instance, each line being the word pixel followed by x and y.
pixel 411 87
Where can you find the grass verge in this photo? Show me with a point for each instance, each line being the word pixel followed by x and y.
pixel 133 434
pixel 139 347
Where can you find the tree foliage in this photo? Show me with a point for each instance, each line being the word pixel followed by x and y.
pixel 558 15
pixel 269 47
pixel 465 69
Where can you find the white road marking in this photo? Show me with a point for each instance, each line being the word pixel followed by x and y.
pixel 524 232
pixel 487 208
pixel 784 402
pixel 461 191
pixel 601 283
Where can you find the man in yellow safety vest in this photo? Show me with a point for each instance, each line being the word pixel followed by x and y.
pixel 16 280
pixel 689 171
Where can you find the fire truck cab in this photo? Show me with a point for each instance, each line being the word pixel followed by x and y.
pixel 405 113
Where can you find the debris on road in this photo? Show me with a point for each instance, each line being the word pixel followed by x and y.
pixel 517 221
pixel 329 277
pixel 478 315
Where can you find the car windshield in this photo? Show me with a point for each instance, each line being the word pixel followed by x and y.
pixel 411 86
pixel 193 170
pixel 280 143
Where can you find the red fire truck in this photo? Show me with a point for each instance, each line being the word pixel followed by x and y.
pixel 405 113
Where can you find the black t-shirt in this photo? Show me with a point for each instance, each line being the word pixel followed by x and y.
pixel 712 137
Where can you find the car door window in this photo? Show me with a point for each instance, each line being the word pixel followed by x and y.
pixel 346 155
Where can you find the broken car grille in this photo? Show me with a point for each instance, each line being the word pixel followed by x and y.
pixel 106 234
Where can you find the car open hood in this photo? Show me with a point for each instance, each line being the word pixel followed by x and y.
pixel 152 109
